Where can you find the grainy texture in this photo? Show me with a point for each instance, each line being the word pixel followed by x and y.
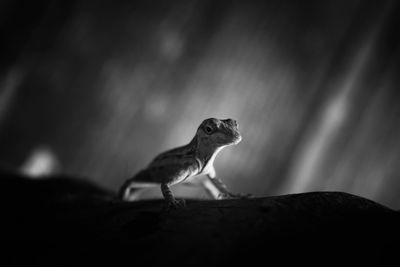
pixel 63 221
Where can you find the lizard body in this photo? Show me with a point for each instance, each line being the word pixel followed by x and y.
pixel 178 164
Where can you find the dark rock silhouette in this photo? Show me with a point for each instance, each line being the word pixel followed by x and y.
pixel 66 221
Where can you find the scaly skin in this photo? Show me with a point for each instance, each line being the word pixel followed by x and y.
pixel 179 164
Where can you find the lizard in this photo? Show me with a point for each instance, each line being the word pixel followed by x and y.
pixel 179 164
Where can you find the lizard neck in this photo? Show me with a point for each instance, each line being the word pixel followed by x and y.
pixel 204 152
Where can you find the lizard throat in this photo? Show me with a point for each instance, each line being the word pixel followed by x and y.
pixel 205 155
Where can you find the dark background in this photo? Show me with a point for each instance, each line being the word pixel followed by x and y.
pixel 96 89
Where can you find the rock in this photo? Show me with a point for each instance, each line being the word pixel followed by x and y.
pixel 66 221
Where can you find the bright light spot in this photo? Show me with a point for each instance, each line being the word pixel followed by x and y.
pixel 41 162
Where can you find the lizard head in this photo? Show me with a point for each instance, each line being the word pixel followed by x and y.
pixel 218 133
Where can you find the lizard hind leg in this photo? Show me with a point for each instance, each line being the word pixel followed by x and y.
pixel 131 189
pixel 127 190
pixel 129 194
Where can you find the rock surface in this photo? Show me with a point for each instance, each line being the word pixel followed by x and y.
pixel 62 221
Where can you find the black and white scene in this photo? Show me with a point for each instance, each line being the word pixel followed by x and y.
pixel 199 133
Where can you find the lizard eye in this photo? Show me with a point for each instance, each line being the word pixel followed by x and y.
pixel 208 129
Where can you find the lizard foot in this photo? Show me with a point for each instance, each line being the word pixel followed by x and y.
pixel 176 204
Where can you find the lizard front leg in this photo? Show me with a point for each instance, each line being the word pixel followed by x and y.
pixel 223 189
pixel 169 197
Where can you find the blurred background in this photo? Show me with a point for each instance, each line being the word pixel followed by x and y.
pixel 96 89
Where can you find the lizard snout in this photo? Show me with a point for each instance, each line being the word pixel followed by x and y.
pixel 232 130
pixel 232 123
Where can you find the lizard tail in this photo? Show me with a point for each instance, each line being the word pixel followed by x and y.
pixel 130 189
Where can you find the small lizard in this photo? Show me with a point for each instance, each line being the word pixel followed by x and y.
pixel 196 158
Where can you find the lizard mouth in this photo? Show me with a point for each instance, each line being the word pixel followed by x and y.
pixel 229 137
pixel 237 138
pixel 234 136
pixel 233 132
